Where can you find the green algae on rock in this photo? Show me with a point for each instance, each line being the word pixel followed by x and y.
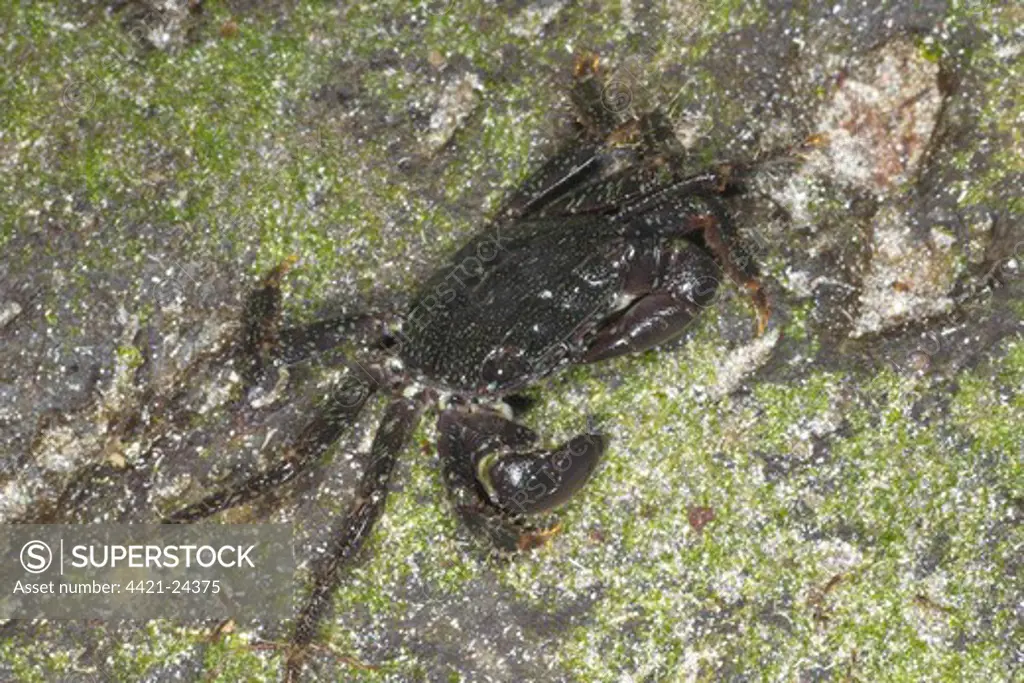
pixel 866 509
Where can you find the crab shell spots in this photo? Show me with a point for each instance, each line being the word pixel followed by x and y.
pixel 504 365
pixel 495 328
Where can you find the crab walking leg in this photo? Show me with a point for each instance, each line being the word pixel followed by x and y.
pixel 399 422
pixel 599 178
pixel 340 412
pixel 560 177
pixel 600 106
pixel 740 268
pixel 264 341
pixel 261 319
pixel 299 343
pixel 612 142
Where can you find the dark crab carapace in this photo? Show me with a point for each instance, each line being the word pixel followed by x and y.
pixel 606 250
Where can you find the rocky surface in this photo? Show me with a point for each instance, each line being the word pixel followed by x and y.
pixel 839 499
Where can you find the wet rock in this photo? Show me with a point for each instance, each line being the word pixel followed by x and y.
pixel 908 279
pixel 869 144
pixel 9 310
pixel 533 19
pixel 838 455
pixel 457 102
pixel 163 24
pixel 742 362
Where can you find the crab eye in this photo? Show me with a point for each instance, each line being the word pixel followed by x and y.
pixel 390 344
pixel 504 365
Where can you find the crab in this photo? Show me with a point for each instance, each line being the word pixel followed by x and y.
pixel 606 250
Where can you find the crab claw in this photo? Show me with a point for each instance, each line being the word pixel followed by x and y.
pixel 497 477
pixel 537 481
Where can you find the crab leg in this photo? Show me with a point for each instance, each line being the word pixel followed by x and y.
pixel 340 412
pixel 260 322
pixel 296 344
pixel 740 268
pixel 612 141
pixel 264 341
pixel 600 107
pixel 399 422
pixel 557 178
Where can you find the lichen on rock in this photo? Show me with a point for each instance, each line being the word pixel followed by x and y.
pixel 880 120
